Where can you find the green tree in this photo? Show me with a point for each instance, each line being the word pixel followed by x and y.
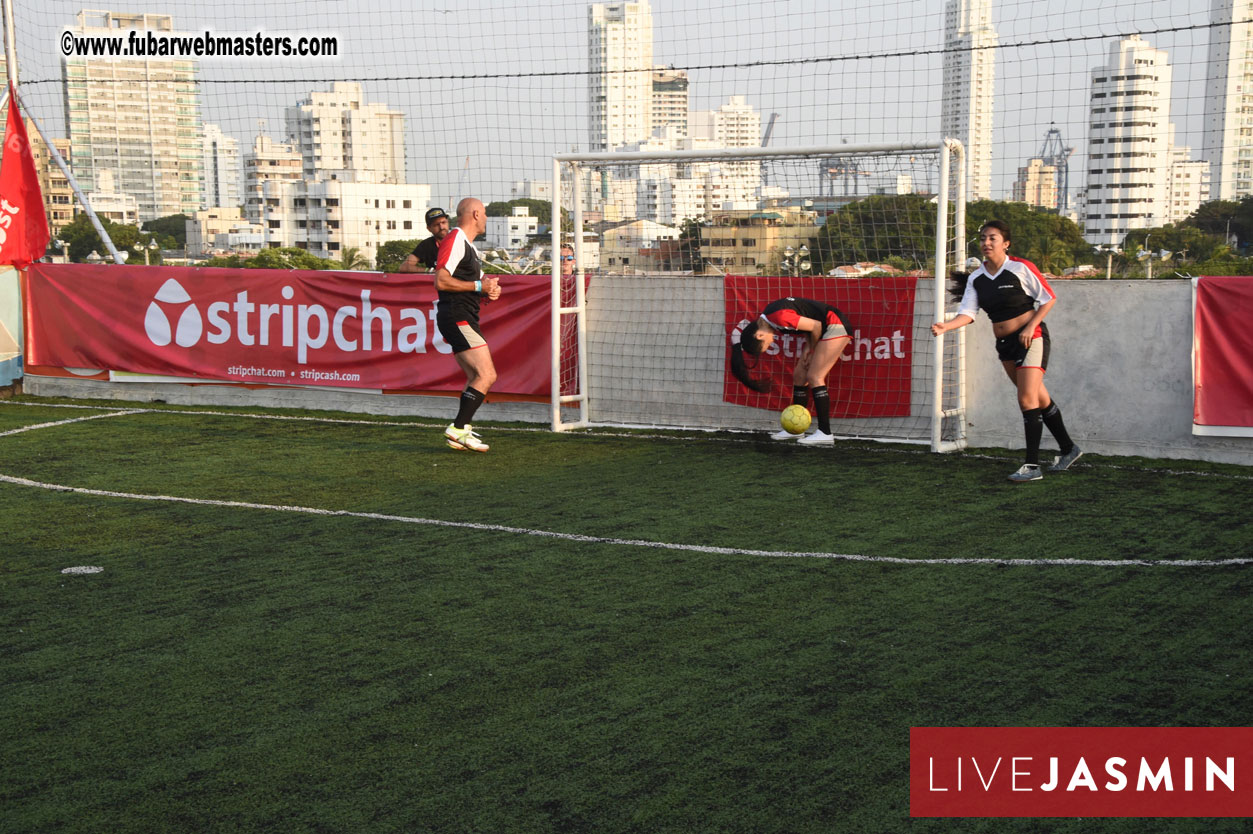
pixel 541 210
pixel 393 253
pixel 83 239
pixel 351 259
pixel 170 231
pixel 875 229
pixel 1054 237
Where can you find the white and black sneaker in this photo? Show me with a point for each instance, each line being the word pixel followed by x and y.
pixel 1027 472
pixel 1063 462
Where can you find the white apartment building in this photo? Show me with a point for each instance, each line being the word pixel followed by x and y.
pixel 110 203
pixel 531 190
pixel 205 228
pixel 670 100
pixel 620 56
pixel 139 118
pixel 342 137
pixel 222 171
pixel 1228 136
pixel 968 86
pixel 268 160
pixel 327 216
pixel 733 125
pixel 1189 184
pixel 1128 142
pixel 512 231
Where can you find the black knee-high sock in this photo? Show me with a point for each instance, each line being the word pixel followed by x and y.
pixel 1034 426
pixel 1052 417
pixel 800 395
pixel 471 399
pixel 822 405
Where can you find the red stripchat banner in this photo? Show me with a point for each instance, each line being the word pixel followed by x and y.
pixel 1081 771
pixel 279 327
pixel 871 379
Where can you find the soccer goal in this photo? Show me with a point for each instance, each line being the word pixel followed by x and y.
pixel 680 249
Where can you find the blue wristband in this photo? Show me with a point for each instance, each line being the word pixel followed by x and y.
pixel 478 286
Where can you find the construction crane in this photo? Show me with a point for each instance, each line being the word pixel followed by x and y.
pixel 1056 154
pixel 765 140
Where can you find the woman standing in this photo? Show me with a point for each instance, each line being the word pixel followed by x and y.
pixel 1017 298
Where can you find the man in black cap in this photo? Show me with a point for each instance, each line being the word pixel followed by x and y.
pixel 425 253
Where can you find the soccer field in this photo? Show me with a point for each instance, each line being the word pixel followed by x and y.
pixel 334 623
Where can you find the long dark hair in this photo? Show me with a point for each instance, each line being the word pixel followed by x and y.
pixel 739 366
pixel 957 284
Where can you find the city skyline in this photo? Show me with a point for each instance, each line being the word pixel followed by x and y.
pixel 521 145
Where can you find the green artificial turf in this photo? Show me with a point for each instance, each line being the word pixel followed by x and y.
pixel 248 669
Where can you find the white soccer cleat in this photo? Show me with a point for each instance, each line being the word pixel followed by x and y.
pixel 464 439
pixel 784 434
pixel 1027 472
pixel 818 438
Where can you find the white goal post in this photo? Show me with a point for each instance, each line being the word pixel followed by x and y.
pixel 678 249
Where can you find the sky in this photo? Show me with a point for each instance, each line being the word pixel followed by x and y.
pixel 491 89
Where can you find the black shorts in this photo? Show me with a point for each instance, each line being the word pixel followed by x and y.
pixel 1010 349
pixel 460 331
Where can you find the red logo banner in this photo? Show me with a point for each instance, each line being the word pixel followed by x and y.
pixel 374 331
pixel 1080 771
pixel 1223 373
pixel 23 223
pixel 872 379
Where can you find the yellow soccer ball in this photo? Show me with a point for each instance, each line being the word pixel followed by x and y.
pixel 795 419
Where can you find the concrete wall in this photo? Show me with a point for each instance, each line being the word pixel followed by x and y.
pixel 1120 370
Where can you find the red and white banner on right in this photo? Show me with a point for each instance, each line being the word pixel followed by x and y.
pixel 1222 356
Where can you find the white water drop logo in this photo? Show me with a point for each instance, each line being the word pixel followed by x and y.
pixel 157 324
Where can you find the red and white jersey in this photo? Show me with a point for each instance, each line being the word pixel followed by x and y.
pixel 458 255
pixel 1017 288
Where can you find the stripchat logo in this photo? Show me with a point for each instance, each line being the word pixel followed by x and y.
pixel 347 329
pixel 190 325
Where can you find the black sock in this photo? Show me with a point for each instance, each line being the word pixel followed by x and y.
pixel 1034 426
pixel 822 405
pixel 1053 419
pixel 800 395
pixel 471 399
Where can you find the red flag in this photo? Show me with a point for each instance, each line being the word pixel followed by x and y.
pixel 23 223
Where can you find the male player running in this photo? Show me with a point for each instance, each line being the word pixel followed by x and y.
pixel 460 281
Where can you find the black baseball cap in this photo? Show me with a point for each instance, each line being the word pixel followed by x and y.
pixel 433 214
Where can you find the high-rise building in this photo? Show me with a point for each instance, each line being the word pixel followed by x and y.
pixel 620 53
pixel 138 118
pixel 58 196
pixel 670 100
pixel 733 125
pixel 268 160
pixel 1129 138
pixel 1228 136
pixel 325 217
pixel 1188 185
pixel 969 80
pixel 1036 184
pixel 221 169
pixel 342 137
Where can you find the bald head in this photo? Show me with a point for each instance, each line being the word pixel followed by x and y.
pixel 471 217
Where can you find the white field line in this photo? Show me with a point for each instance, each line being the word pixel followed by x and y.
pixel 65 422
pixel 574 537
pixel 750 437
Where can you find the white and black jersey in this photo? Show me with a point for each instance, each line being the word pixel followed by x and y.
pixel 458 255
pixel 1016 289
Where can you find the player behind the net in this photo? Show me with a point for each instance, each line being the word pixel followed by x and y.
pixel 826 333
pixel 1016 297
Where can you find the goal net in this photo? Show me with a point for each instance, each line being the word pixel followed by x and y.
pixel 681 249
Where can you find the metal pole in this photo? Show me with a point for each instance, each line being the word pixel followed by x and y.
pixel 10 44
pixel 555 229
pixel 941 249
pixel 580 299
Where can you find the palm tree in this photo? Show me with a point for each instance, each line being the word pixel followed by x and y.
pixel 351 259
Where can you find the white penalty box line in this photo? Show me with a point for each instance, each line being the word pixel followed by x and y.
pixel 574 537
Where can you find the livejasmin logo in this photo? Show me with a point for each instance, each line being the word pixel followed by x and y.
pixel 1080 771
pixel 303 326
